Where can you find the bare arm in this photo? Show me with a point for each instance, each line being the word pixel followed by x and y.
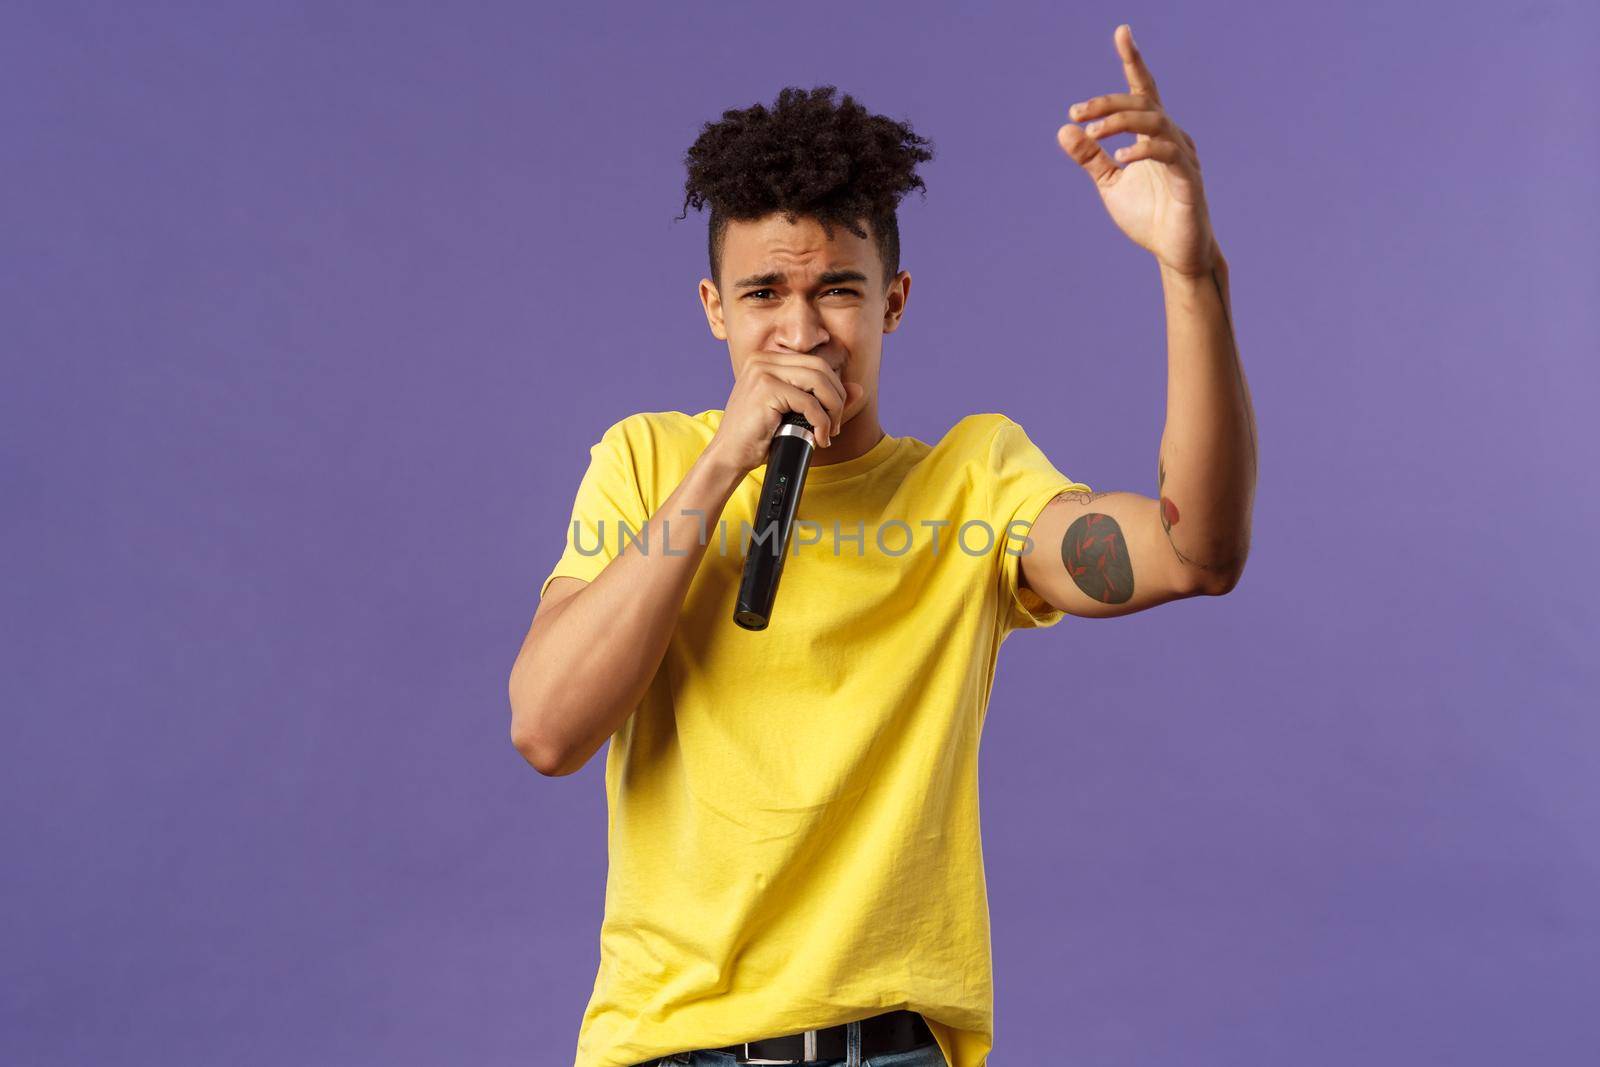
pixel 1110 554
pixel 594 647
pixel 1206 464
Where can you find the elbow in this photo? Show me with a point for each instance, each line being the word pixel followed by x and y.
pixel 1221 583
pixel 528 738
pixel 549 760
pixel 1220 578
pixel 543 726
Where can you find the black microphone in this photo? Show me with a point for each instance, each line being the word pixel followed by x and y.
pixel 788 457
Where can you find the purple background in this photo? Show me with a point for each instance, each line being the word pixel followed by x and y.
pixel 311 311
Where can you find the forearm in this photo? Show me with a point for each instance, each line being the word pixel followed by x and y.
pixel 586 664
pixel 1207 462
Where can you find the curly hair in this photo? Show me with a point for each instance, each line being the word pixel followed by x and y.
pixel 836 163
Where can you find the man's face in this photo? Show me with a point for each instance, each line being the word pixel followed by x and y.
pixel 788 288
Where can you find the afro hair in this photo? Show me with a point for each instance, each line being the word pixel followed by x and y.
pixel 807 155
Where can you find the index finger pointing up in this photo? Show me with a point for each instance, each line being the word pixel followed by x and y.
pixel 1140 80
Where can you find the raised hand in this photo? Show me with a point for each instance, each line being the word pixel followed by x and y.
pixel 1155 196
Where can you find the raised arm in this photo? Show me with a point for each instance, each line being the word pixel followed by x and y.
pixel 1114 553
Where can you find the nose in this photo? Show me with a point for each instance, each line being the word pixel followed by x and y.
pixel 801 328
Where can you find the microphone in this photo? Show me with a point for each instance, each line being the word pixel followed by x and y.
pixel 788 457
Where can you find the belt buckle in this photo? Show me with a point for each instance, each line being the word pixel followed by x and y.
pixel 808 1051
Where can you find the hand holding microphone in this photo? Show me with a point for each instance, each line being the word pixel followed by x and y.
pixel 769 385
pixel 781 404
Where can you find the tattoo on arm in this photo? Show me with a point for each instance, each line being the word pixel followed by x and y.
pixel 1096 556
pixel 1169 510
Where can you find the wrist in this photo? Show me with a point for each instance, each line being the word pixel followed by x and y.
pixel 716 474
pixel 1212 262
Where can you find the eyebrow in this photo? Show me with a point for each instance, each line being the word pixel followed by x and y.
pixel 775 277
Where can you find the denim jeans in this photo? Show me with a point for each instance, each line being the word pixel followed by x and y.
pixel 926 1056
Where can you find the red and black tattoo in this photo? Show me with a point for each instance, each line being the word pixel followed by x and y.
pixel 1096 555
pixel 1169 510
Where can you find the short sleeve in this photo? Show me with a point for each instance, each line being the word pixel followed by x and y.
pixel 1022 480
pixel 607 511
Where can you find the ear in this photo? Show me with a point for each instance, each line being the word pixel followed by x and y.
pixel 711 300
pixel 894 303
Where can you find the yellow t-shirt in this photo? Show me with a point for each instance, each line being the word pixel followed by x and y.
pixel 793 813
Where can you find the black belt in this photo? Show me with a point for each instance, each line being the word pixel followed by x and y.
pixel 893 1031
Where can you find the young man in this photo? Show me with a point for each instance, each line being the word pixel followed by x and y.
pixel 795 872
